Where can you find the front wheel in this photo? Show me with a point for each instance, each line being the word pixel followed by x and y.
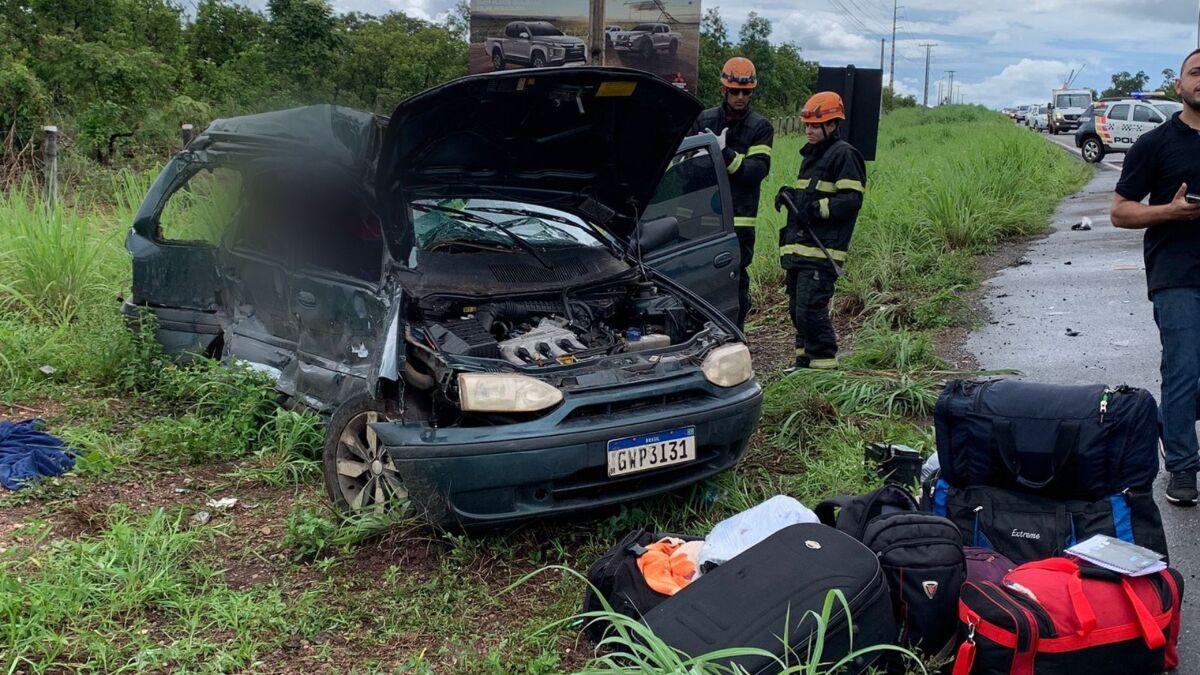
pixel 1093 150
pixel 538 60
pixel 647 49
pixel 360 475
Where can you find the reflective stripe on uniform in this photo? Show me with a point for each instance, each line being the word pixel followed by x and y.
pixel 799 351
pixel 850 184
pixel 736 163
pixel 823 364
pixel 759 150
pixel 831 187
pixel 745 221
pixel 811 252
pixel 823 205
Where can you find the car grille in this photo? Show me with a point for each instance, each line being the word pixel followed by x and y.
pixel 594 483
pixel 624 407
pixel 575 52
pixel 1071 117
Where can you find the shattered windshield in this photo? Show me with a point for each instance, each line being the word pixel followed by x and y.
pixel 538 226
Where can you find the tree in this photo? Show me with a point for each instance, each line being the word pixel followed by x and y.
pixel 390 58
pixel 785 79
pixel 1124 84
pixel 714 51
pixel 222 31
pixel 302 44
pixel 893 102
pixel 1168 84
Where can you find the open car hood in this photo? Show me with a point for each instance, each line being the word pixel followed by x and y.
pixel 590 141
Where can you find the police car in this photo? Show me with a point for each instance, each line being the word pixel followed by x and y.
pixel 1114 124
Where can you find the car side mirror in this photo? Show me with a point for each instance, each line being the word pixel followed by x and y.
pixel 524 36
pixel 658 232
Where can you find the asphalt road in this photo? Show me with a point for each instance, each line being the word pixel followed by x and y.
pixel 1092 283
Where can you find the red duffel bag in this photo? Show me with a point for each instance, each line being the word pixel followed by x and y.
pixel 1054 616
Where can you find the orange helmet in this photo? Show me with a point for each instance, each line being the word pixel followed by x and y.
pixel 739 73
pixel 823 106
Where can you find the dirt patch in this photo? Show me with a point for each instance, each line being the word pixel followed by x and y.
pixel 17 412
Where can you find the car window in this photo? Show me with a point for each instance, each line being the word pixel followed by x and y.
pixel 201 209
pixel 1144 113
pixel 543 28
pixel 1119 112
pixel 1168 108
pixel 691 192
pixel 512 30
pixel 1073 101
pixel 644 27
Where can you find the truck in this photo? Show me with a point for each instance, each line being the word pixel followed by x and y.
pixel 1066 107
pixel 647 39
pixel 535 44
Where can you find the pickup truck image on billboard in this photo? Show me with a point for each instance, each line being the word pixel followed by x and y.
pixel 535 44
pixel 658 36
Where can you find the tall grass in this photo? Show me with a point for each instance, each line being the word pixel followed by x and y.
pixel 947 183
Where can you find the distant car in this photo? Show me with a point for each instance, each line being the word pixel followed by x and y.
pixel 535 44
pixel 1020 113
pixel 647 39
pixel 1114 124
pixel 1038 118
pixel 609 33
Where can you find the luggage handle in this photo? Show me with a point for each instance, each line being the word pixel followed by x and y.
pixel 1065 442
pixel 1152 634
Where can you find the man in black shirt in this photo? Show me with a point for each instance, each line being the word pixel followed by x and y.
pixel 1161 165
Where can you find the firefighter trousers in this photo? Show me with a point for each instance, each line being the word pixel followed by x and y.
pixel 745 237
pixel 809 291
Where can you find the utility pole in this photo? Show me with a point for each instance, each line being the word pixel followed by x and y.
pixel 928 46
pixel 892 76
pixel 939 99
pixel 951 87
pixel 882 42
pixel 596 32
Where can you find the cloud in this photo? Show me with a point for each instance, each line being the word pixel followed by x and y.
pixel 1026 81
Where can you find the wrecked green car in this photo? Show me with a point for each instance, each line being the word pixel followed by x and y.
pixel 511 298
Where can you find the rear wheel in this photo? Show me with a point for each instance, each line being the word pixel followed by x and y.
pixel 497 60
pixel 360 475
pixel 647 49
pixel 1092 150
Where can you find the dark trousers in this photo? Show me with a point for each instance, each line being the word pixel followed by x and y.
pixel 1177 313
pixel 745 236
pixel 809 292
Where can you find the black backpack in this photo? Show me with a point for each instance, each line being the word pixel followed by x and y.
pixel 922 557
pixel 850 514
pixel 615 577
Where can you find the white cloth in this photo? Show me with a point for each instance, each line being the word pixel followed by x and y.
pixel 743 530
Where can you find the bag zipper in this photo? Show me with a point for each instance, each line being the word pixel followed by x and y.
pixel 1104 398
pixel 1040 615
pixel 1000 599
pixel 920 542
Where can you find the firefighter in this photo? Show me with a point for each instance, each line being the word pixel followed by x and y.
pixel 828 195
pixel 745 138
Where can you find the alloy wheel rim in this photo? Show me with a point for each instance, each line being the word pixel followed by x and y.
pixel 366 475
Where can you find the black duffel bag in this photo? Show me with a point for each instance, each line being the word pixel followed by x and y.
pixel 1085 442
pixel 1026 527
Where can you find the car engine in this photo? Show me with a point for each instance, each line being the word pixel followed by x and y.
pixel 561 330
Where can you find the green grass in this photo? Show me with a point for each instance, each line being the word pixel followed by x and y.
pixel 141 587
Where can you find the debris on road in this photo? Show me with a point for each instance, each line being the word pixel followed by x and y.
pixel 48 370
pixel 1072 333
pixel 201 517
pixel 1083 225
pixel 1023 261
pixel 222 503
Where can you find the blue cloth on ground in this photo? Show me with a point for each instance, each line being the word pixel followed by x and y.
pixel 28 454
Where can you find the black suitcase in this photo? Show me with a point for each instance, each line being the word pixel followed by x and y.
pixel 770 591
pixel 1085 442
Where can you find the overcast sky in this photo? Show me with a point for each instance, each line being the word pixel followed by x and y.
pixel 1004 53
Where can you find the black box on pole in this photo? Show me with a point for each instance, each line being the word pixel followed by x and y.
pixel 861 90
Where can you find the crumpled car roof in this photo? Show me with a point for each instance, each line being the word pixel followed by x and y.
pixel 343 135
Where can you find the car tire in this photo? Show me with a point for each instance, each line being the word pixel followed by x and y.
pixel 359 474
pixel 1092 150
pixel 538 60
pixel 647 49
pixel 674 48
pixel 498 60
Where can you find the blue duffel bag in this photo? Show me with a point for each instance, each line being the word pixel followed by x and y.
pixel 1083 442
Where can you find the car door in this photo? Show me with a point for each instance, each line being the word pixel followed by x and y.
pixel 337 295
pixel 521 43
pixel 704 257
pixel 1145 118
pixel 1118 126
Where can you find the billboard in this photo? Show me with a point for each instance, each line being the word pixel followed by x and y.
pixel 658 36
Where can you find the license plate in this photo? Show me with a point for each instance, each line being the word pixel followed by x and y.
pixel 643 453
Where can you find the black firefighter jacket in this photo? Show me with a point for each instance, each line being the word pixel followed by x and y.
pixel 828 193
pixel 747 156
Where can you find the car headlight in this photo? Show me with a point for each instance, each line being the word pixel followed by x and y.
pixel 502 392
pixel 728 365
